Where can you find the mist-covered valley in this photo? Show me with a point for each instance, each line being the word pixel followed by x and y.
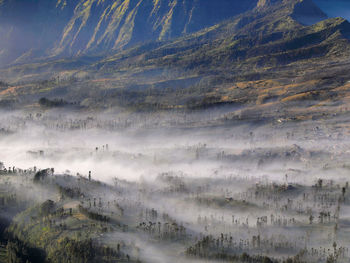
pixel 172 187
pixel 174 131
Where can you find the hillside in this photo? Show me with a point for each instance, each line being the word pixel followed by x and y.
pixel 162 131
pixel 267 60
pixel 163 189
pixel 267 46
pixel 270 44
pixel 68 28
pixel 57 28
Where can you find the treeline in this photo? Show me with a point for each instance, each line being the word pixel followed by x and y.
pixel 4 84
pixel 235 258
pixel 216 249
pixel 92 215
pixel 67 192
pixel 41 175
pixel 244 258
pixel 44 102
pixel 8 200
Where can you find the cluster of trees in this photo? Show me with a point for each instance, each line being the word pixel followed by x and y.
pixel 319 200
pixel 8 200
pixel 285 205
pixel 4 84
pixel 226 244
pixel 52 103
pixel 18 171
pixel 86 251
pixel 67 192
pixel 208 248
pixel 93 215
pixel 222 256
pixel 42 174
pixel 20 252
pixel 176 183
pixel 164 231
pixel 70 250
pixel 47 208
pixel 331 255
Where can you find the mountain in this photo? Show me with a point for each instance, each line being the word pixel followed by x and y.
pixel 268 45
pixel 34 28
pixel 101 25
pixel 61 28
pixel 274 54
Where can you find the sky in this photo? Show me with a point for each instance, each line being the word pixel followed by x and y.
pixel 335 8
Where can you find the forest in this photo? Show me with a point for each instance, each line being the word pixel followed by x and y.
pixel 172 187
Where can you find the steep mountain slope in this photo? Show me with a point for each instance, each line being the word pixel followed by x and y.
pixel 266 61
pixel 268 36
pixel 101 25
pixel 51 28
pixel 60 27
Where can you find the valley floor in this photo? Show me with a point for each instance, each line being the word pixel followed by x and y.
pixel 244 192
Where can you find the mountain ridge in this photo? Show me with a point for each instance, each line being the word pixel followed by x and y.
pixel 60 28
pixel 258 45
pixel 264 58
pixel 81 26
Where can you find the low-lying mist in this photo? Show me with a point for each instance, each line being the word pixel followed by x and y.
pixel 188 189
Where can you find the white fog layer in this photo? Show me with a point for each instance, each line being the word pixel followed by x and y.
pixel 180 190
